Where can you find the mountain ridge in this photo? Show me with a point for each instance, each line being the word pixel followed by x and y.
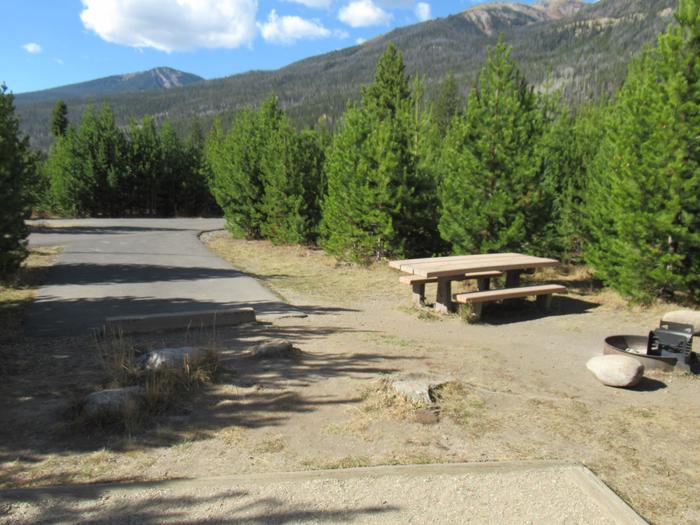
pixel 585 54
pixel 161 77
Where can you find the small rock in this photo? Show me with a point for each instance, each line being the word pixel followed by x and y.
pixel 170 357
pixel 616 370
pixel 274 349
pixel 113 402
pixel 417 388
pixel 691 317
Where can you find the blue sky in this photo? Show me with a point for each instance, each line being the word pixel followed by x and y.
pixel 47 43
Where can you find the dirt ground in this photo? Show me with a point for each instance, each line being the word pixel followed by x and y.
pixel 522 392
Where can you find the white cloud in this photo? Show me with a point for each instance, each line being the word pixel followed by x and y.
pixel 289 29
pixel 316 4
pixel 32 48
pixel 423 11
pixel 363 13
pixel 170 25
pixel 360 41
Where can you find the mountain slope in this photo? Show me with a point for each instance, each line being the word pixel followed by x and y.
pixel 151 80
pixel 581 49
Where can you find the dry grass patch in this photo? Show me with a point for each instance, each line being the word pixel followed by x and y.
pixel 456 402
pixel 18 292
pixel 301 270
pixel 163 387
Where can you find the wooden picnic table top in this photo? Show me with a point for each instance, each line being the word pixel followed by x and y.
pixel 459 264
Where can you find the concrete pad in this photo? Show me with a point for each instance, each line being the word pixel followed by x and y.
pixel 503 493
pixel 144 324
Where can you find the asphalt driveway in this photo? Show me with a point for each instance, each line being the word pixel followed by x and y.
pixel 111 267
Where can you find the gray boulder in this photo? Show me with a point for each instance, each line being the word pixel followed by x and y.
pixel 616 370
pixel 274 349
pixel 691 317
pixel 113 402
pixel 417 389
pixel 174 358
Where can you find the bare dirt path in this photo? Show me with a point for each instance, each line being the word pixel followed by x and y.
pixel 112 267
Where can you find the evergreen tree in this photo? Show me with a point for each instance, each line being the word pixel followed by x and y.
pixel 145 161
pixel 370 210
pixel 59 119
pixel 642 206
pixel 87 166
pixel 236 160
pixel 448 104
pixel 16 167
pixel 489 192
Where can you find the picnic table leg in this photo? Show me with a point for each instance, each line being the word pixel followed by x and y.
pixel 418 294
pixel 443 302
pixel 483 284
pixel 545 302
pixel 513 278
pixel 512 281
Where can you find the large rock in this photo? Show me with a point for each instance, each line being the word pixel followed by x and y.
pixel 274 349
pixel 174 358
pixel 417 389
pixel 113 403
pixel 691 317
pixel 616 370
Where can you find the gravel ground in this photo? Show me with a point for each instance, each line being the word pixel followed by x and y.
pixel 505 494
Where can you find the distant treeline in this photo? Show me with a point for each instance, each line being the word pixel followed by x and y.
pixel 94 168
pixel 614 183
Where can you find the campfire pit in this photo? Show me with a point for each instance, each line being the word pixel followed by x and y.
pixel 667 348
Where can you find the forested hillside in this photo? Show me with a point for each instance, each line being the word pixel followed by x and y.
pixel 581 49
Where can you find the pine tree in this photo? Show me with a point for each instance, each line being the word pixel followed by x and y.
pixel 642 206
pixel 448 104
pixel 370 210
pixel 16 167
pixel 490 169
pixel 144 176
pixel 87 166
pixel 236 161
pixel 59 119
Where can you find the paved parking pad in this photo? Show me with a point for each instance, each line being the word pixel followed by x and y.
pixel 119 267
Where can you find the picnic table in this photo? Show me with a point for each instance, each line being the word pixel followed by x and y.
pixel 482 268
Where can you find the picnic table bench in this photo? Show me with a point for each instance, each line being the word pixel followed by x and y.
pixel 482 268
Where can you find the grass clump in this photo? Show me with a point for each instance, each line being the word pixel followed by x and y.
pixel 152 390
pixel 457 403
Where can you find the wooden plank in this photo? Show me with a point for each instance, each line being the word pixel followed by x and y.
pixel 404 262
pixel 469 259
pixel 521 259
pixel 509 293
pixel 513 264
pixel 417 279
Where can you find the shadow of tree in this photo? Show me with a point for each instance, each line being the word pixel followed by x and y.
pixel 45 374
pixel 147 503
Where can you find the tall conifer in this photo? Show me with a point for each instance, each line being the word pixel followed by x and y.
pixel 489 189
pixel 643 205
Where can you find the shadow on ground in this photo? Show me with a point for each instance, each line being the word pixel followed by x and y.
pixel 224 507
pixel 42 378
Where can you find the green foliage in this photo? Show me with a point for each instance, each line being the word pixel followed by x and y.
pixel 448 104
pixel 372 208
pixel 266 175
pixel 97 169
pixel 489 193
pixel 59 119
pixel 17 165
pixel 643 202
